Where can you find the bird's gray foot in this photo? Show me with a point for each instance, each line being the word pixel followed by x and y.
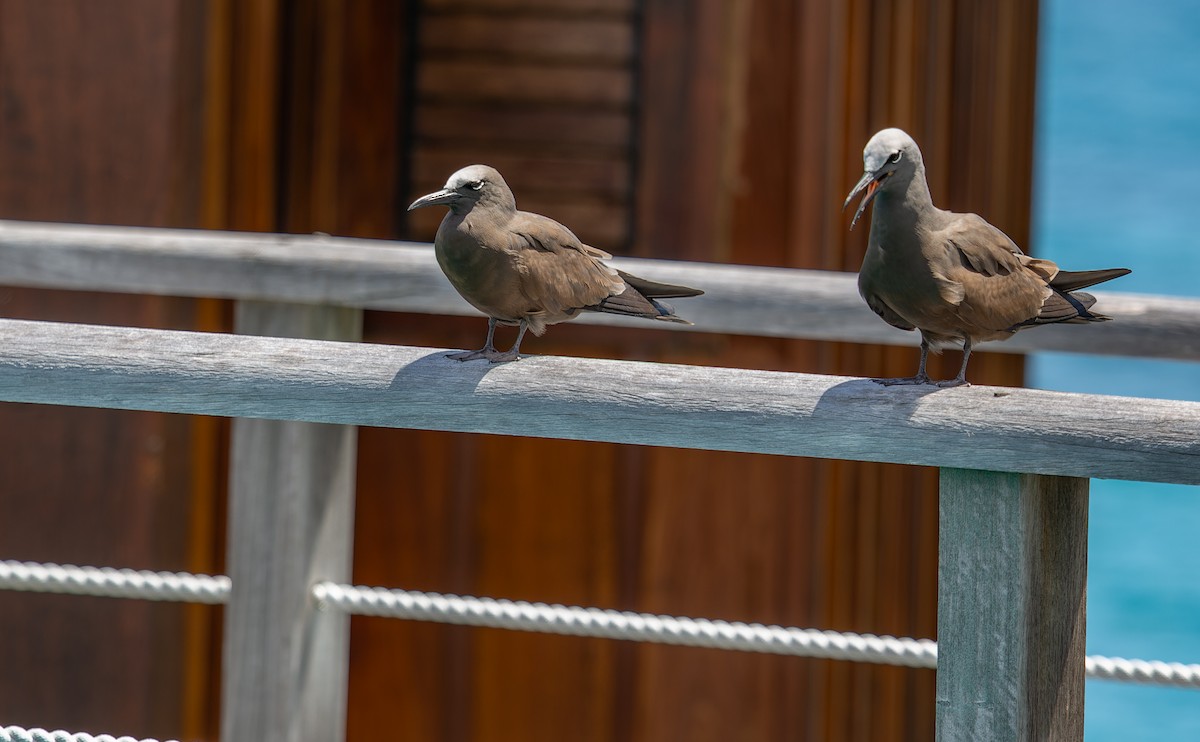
pixel 951 383
pixel 505 357
pixel 904 381
pixel 472 355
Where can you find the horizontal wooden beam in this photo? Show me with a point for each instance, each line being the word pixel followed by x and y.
pixel 978 427
pixel 403 277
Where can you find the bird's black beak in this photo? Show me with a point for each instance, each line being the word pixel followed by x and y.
pixel 437 198
pixel 869 183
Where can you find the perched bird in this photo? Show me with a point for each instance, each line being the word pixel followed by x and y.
pixel 525 269
pixel 953 277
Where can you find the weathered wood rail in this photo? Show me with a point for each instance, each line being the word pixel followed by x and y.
pixel 724 409
pixel 1015 463
pixel 403 277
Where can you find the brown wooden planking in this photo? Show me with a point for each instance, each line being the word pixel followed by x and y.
pixel 547 7
pixel 760 234
pixel 818 149
pixel 371 124
pixel 491 128
pixel 100 101
pixel 679 192
pixel 343 83
pixel 307 93
pixel 600 41
pixel 553 549
pixel 524 83
pixel 251 193
pixel 597 178
pixel 712 556
pixel 410 531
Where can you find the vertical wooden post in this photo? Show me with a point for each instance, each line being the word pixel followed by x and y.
pixel 1012 588
pixel 291 518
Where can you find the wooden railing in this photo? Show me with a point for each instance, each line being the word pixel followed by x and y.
pixel 403 277
pixel 1015 463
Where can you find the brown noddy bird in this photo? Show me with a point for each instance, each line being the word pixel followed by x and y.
pixel 953 277
pixel 528 270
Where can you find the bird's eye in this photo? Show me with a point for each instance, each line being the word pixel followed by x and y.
pixel 475 185
pixel 895 156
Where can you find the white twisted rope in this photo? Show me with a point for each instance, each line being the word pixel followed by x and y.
pixel 596 622
pixel 540 617
pixel 1141 671
pixel 17 734
pixel 695 632
pixel 113 583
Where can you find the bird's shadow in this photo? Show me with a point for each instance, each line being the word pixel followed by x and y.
pixel 455 377
pixel 867 395
pixel 861 398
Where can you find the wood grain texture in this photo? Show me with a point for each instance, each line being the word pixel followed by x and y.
pixel 99 123
pixel 1011 606
pixel 291 518
pixel 772 302
pixel 554 7
pixel 520 129
pixel 561 40
pixel 542 91
pixel 534 173
pixel 1017 430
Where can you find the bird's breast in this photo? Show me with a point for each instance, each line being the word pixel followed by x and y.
pixel 485 277
pixel 899 274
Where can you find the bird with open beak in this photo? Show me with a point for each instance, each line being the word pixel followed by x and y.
pixel 953 277
pixel 527 270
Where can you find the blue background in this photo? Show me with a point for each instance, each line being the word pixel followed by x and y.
pixel 1116 184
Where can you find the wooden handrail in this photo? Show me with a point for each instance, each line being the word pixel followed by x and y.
pixel 398 276
pixel 977 427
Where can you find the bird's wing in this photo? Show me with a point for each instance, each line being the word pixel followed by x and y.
pixel 558 273
pixel 1000 287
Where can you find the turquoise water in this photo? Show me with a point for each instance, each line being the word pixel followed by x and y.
pixel 1117 180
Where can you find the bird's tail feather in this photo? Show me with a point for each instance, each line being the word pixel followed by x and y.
pixel 655 290
pixel 1068 305
pixel 1074 280
pixel 1068 308
pixel 632 303
pixel 666 312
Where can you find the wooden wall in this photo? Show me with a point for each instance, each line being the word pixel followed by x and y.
pixel 97 125
pixel 706 130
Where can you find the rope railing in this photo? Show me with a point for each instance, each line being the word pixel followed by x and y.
pixel 20 734
pixel 1143 671
pixel 113 583
pixel 610 624
pixel 549 619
